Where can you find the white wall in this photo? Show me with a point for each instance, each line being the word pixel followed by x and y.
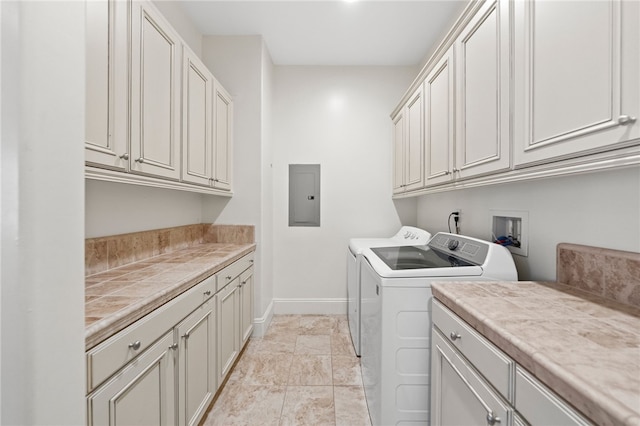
pixel 266 234
pixel 337 117
pixel 115 208
pixel 598 209
pixel 42 276
pixel 243 67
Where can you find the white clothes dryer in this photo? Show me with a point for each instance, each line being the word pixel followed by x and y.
pixel 396 317
pixel 407 235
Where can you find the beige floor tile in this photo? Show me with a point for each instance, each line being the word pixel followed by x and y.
pixel 308 405
pixel 241 404
pixel 317 324
pixel 265 369
pixel 310 370
pixel 278 344
pixel 313 345
pixel 341 345
pixel 302 372
pixel 346 370
pixel 351 406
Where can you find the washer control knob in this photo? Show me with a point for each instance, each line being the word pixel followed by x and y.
pixel 453 244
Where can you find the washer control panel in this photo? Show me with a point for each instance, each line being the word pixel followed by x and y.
pixel 470 249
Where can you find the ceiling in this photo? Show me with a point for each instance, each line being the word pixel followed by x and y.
pixel 347 33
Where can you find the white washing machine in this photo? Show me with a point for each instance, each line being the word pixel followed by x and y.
pixel 396 317
pixel 407 235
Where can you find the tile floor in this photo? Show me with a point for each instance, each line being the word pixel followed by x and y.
pixel 302 372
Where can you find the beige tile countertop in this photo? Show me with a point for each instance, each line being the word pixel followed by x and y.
pixel 117 297
pixel 584 347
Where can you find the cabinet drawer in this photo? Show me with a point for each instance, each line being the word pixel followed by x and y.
pixel 459 395
pixel 487 358
pixel 541 406
pixel 226 275
pixel 112 354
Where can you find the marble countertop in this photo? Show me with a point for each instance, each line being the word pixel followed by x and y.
pixel 584 347
pixel 118 297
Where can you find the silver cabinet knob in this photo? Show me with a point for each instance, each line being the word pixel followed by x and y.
pixel 135 345
pixel 456 170
pixel 140 160
pixel 492 419
pixel 455 336
pixel 125 156
pixel 174 346
pixel 625 119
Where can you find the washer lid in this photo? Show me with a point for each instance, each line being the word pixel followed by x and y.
pixel 417 257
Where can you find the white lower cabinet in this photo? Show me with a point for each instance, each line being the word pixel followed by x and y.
pixel 246 305
pixel 196 337
pixel 540 406
pixel 166 368
pixel 143 393
pixel 469 384
pixel 228 327
pixel 459 396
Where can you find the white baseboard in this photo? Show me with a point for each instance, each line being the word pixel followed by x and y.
pixel 261 324
pixel 310 306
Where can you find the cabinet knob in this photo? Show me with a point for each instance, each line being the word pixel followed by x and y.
pixel 625 119
pixel 455 336
pixel 140 160
pixel 125 156
pixel 228 277
pixel 174 346
pixel 447 172
pixel 492 419
pixel 456 170
pixel 207 293
pixel 135 345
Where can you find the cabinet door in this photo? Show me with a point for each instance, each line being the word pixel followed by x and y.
pixel 155 96
pixel 246 306
pixel 197 118
pixel 228 328
pixel 482 91
pixel 458 395
pixel 107 109
pixel 540 406
pixel 414 142
pixel 196 363
pixel 143 393
pixel 439 121
pixel 398 153
pixel 223 124
pixel 576 80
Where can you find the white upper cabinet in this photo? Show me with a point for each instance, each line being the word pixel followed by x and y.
pixel 439 121
pixel 482 92
pixel 223 138
pixel 409 144
pixel 576 70
pixel 414 142
pixel 155 93
pixel 398 152
pixel 106 143
pixel 197 119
